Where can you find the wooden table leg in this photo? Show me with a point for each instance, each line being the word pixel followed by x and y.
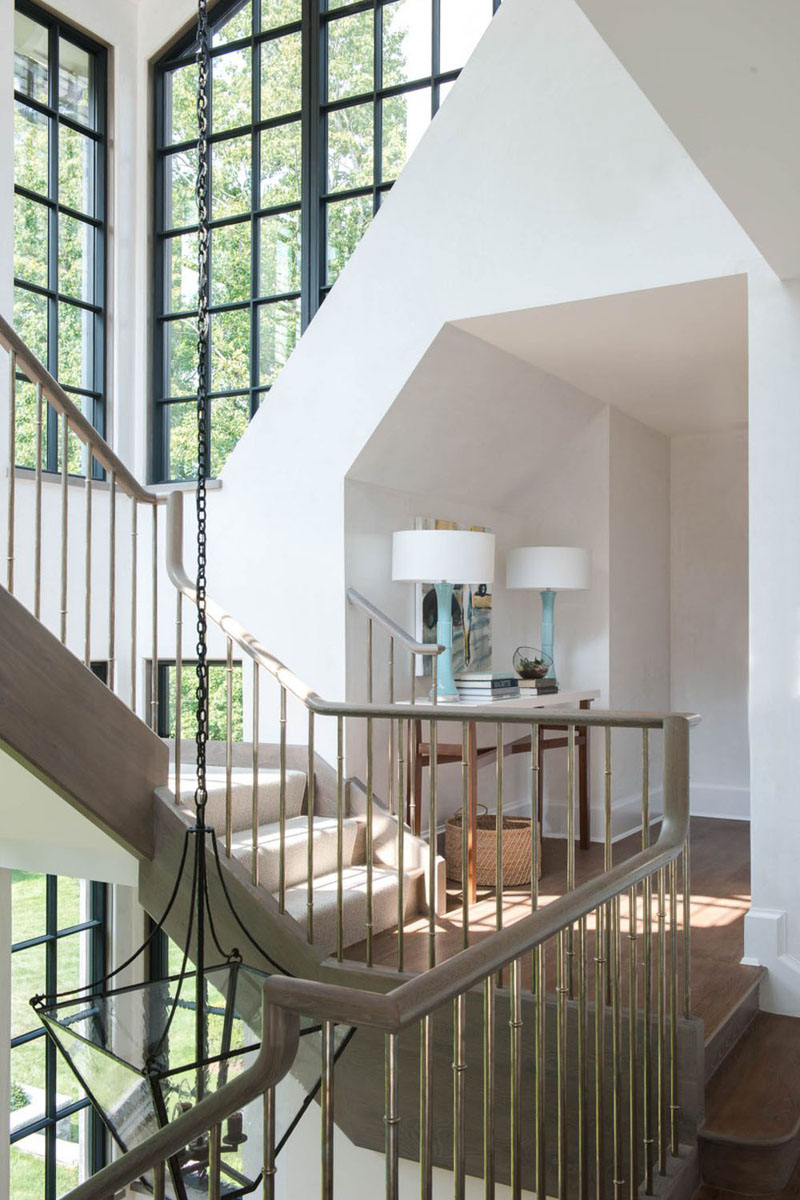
pixel 583 784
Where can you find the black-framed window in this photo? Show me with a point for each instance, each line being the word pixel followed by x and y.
pixel 58 943
pixel 59 221
pixel 217 700
pixel 315 106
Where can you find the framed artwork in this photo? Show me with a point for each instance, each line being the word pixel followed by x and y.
pixel 472 614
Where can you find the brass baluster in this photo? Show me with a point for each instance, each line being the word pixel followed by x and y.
pixel 661 1066
pixel 601 916
pixel 282 805
pixel 465 830
pixel 178 691
pixel 459 1096
pixel 673 1007
pixel 214 1163
pixel 112 578
pixel 687 932
pixel 87 623
pixel 392 1117
pixel 269 1170
pixel 515 1026
pixel 616 1050
pixel 488 1088
pixel 369 834
pixel 633 1000
pixel 561 1067
pixel 647 974
pixel 583 1090
pixel 229 747
pixel 64 524
pixel 401 829
pixel 571 854
pixel 499 836
pixel 326 1107
pixel 12 460
pixel 254 866
pixel 425 1111
pixel 311 793
pixel 37 527
pixel 339 837
pixel 540 1058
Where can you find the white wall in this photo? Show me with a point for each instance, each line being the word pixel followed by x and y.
pixel 710 647
pixel 639 604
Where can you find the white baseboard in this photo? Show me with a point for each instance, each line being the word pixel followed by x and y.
pixel 765 946
pixel 719 800
pixel 626 817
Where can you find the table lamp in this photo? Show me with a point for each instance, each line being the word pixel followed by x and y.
pixel 548 569
pixel 443 557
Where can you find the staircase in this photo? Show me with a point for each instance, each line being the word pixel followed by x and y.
pixel 314 842
pixel 527 1058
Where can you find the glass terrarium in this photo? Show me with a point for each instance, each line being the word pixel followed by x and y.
pixel 530 663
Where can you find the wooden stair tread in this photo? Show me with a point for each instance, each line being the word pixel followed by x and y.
pixel 791 1191
pixel 754 1097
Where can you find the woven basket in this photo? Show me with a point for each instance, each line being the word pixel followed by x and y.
pixel 516 850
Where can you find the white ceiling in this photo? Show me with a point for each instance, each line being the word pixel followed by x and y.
pixel 724 76
pixel 674 358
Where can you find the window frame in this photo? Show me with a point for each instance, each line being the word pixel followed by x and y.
pixel 96 396
pixel 315 19
pixel 96 925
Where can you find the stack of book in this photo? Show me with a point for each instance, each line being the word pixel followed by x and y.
pixel 485 686
pixel 538 687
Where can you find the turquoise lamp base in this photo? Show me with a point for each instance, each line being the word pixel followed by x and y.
pixel 548 607
pixel 445 683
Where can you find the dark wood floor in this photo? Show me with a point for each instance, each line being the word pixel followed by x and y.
pixel 720 883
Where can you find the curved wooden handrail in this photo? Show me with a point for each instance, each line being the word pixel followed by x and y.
pixel 83 429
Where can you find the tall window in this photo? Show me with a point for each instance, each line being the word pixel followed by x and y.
pixel 58 943
pixel 59 218
pixel 315 107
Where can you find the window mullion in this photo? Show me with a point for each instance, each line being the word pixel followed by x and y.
pixel 312 224
pixel 255 204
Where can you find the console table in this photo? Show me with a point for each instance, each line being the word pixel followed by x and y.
pixel 552 736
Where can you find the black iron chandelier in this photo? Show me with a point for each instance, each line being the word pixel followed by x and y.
pixel 145 1053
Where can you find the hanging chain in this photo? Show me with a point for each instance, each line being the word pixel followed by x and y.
pixel 202 193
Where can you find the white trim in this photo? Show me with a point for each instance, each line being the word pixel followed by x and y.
pixel 720 800
pixel 765 946
pixel 626 817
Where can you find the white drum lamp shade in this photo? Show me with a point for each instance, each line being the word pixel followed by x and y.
pixel 442 556
pixel 554 568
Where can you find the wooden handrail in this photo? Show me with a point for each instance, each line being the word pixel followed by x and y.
pixel 83 429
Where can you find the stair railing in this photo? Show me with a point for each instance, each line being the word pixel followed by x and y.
pixel 75 448
pixel 585 1081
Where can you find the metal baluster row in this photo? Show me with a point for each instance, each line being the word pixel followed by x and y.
pixel 64 425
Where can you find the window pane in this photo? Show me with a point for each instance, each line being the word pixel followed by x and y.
pixel 180 272
pixel 28 894
pixel 350 147
pixel 347 222
pixel 68 1090
pixel 281 76
pixel 30 321
pixel 25 455
pixel 28 979
pixel 180 172
pixel 405 119
pixel 74 82
pixel 181 438
pixel 30 241
pixel 350 56
pixel 75 346
pixel 180 88
pixel 76 179
pixel 463 23
pixel 72 968
pixel 406 41
pixel 180 349
pixel 281 156
pixel 238 25
pixel 217 698
pixel 30 58
pixel 278 333
pixel 27 1169
pixel 28 1070
pixel 229 419
pixel 230 263
pixel 230 177
pixel 75 451
pixel 279 268
pixel 31 154
pixel 275 13
pixel 231 95
pixel 69 898
pixel 76 263
pixel 230 350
